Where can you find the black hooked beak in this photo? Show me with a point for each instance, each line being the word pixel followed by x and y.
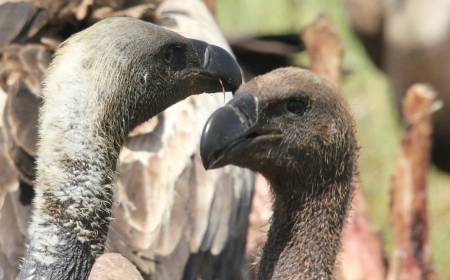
pixel 218 69
pixel 230 129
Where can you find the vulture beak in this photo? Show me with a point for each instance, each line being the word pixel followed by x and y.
pixel 231 129
pixel 216 69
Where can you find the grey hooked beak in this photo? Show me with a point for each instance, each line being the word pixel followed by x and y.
pixel 214 64
pixel 230 129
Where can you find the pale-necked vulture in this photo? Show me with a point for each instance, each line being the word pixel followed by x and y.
pixel 172 219
pixel 296 129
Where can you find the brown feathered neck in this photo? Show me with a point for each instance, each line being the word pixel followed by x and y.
pixel 304 238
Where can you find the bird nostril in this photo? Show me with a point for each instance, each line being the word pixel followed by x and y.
pixel 207 57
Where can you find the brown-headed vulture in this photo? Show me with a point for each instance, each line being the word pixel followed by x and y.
pixel 296 129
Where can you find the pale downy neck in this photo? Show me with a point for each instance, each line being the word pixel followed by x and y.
pixel 76 164
pixel 304 237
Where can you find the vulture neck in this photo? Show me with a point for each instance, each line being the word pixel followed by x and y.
pixel 304 237
pixel 76 164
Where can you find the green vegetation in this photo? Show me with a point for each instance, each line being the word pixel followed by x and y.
pixel 370 98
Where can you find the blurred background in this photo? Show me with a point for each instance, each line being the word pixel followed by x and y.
pixel 388 46
pixel 372 99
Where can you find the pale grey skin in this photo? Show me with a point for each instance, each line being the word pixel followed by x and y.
pixel 103 82
pixel 295 129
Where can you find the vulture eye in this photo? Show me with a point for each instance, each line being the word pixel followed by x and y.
pixel 296 106
pixel 175 57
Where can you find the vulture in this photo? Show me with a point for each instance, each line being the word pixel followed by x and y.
pixel 409 41
pixel 170 217
pixel 92 100
pixel 296 130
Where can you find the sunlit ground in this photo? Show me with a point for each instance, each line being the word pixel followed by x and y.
pixel 369 96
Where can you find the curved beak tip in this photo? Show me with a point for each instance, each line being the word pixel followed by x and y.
pixel 208 144
pixel 219 64
pixel 206 164
pixel 225 67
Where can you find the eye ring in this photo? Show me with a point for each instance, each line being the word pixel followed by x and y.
pixel 296 106
pixel 174 56
pixel 169 54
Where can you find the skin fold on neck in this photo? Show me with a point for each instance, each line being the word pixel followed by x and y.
pixel 304 237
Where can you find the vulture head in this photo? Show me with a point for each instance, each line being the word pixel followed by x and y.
pixel 135 70
pixel 286 122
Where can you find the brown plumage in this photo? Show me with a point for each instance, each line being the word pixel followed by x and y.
pixel 295 129
pixel 172 219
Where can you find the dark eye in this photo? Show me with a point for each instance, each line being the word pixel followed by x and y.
pixel 175 57
pixel 296 106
